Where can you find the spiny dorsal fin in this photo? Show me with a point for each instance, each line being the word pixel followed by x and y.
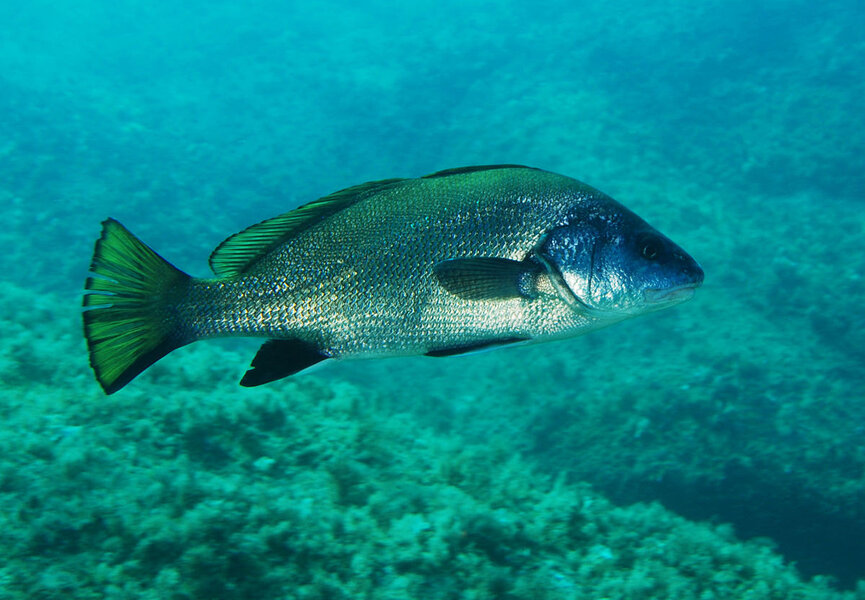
pixel 239 252
pixel 462 170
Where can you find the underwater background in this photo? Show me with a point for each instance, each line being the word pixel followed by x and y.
pixel 715 450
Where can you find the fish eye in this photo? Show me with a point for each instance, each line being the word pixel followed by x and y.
pixel 650 248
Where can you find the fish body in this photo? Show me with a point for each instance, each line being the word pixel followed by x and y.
pixel 452 262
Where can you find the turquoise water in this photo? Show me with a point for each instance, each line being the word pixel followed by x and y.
pixel 714 450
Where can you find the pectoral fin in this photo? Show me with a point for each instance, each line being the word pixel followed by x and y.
pixel 280 358
pixel 487 278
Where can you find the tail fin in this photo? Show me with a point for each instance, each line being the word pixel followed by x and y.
pixel 128 316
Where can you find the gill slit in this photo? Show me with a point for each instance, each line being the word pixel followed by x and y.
pixel 591 271
pixel 558 281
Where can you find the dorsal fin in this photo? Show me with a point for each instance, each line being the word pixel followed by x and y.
pixel 462 170
pixel 242 250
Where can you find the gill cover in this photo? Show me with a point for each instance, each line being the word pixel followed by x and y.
pixel 568 254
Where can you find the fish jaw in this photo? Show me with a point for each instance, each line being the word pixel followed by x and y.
pixel 662 298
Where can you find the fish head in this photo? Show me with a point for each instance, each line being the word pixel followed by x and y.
pixel 615 265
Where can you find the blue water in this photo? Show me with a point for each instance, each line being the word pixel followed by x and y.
pixel 737 128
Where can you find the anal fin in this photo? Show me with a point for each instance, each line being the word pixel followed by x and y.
pixel 280 358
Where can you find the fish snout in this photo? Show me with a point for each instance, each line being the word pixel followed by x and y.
pixel 681 288
pixel 693 274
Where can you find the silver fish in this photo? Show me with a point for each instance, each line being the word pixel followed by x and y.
pixel 453 262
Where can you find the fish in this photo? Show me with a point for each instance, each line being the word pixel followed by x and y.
pixel 454 262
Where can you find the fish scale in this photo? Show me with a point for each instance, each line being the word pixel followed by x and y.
pixel 368 290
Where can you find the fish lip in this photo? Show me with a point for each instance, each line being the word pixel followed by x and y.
pixel 678 293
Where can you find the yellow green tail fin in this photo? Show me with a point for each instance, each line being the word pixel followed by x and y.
pixel 129 306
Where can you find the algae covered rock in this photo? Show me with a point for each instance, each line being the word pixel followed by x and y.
pixel 316 490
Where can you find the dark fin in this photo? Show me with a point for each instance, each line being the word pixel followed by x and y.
pixel 487 278
pixel 280 358
pixel 241 251
pixel 463 170
pixel 475 347
pixel 127 317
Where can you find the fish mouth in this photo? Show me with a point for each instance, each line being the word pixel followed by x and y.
pixel 678 293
